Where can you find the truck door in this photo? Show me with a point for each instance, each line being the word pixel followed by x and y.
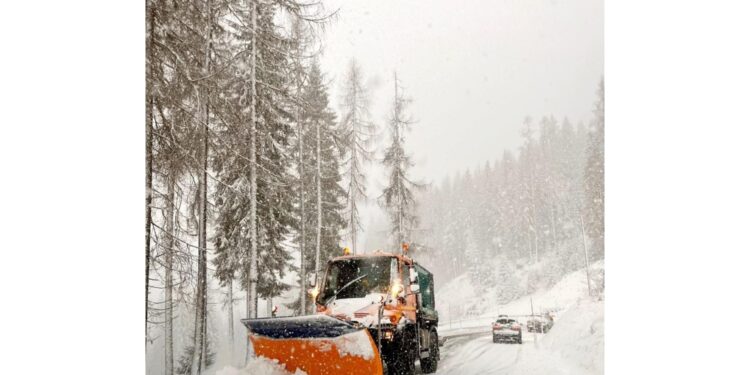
pixel 427 294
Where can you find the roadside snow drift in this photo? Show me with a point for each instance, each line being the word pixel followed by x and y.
pixel 575 345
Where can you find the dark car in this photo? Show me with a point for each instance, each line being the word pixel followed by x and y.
pixel 540 324
pixel 506 329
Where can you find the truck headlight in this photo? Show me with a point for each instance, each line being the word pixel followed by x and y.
pixel 388 335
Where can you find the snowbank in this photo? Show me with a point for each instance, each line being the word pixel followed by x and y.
pixel 575 345
pixel 259 366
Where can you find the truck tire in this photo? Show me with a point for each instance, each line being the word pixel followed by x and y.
pixel 403 357
pixel 403 365
pixel 429 364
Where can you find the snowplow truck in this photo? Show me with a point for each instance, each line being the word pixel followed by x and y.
pixel 375 314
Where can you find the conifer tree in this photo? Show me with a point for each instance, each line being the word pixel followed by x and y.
pixel 398 196
pixel 594 177
pixel 357 134
pixel 324 195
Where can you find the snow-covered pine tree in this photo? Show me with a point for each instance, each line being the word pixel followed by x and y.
pixel 301 38
pixel 398 196
pixel 357 133
pixel 254 196
pixel 507 286
pixel 172 139
pixel 474 258
pixel 530 193
pixel 324 195
pixel 594 179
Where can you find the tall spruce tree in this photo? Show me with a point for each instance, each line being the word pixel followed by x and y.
pixel 398 195
pixel 324 195
pixel 357 138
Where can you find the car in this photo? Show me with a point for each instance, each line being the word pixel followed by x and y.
pixel 540 324
pixel 506 329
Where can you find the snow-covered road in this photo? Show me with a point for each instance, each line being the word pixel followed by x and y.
pixel 479 355
pixel 575 345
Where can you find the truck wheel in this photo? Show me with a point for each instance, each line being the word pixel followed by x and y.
pixel 403 366
pixel 402 362
pixel 429 364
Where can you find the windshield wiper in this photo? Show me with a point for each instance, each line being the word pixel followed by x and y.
pixel 336 293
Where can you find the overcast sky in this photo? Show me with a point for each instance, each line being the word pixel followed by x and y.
pixel 474 69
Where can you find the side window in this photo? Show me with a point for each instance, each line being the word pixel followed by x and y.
pixel 405 277
pixel 430 300
pixel 426 288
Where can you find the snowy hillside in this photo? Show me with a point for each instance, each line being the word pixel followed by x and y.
pixel 462 306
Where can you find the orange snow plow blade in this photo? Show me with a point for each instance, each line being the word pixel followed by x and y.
pixel 315 344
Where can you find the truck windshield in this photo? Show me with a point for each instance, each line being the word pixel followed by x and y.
pixel 372 275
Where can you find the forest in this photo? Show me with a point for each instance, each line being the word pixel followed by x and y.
pixel 254 180
pixel 520 223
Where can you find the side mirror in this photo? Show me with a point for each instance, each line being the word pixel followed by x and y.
pixel 412 275
pixel 414 288
pixel 312 280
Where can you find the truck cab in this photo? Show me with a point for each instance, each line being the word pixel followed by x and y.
pixel 390 295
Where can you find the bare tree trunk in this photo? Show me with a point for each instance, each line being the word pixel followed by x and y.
pixel 301 164
pixel 149 199
pixel 168 280
pixel 400 206
pixel 320 197
pixel 200 339
pixel 252 295
pixel 353 228
pixel 353 195
pixel 230 316
pixel 353 172
pixel 149 149
pixel 585 252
